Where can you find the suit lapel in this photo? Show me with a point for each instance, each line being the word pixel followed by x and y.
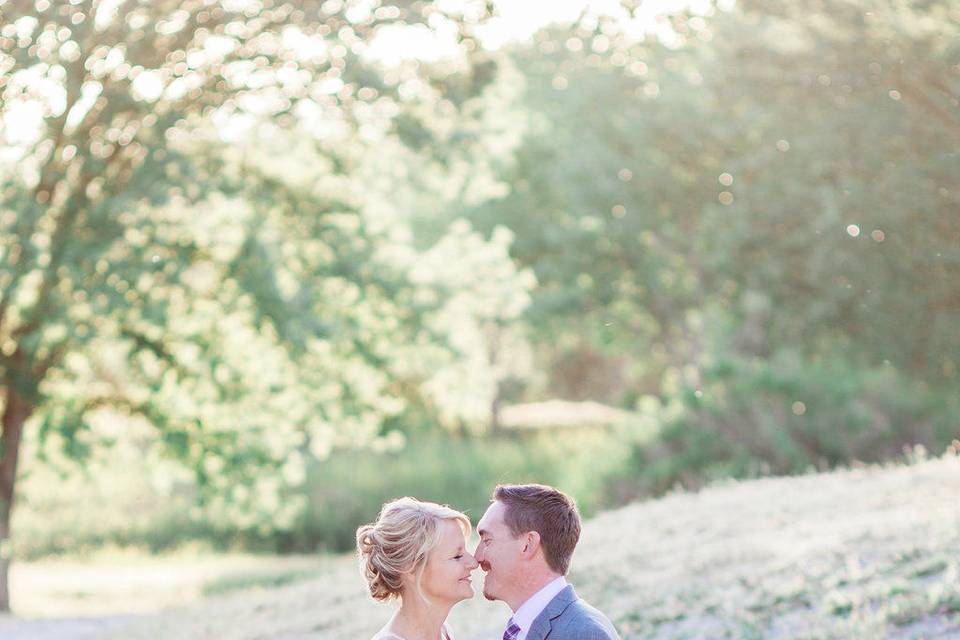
pixel 543 623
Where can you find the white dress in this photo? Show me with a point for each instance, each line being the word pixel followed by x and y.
pixel 386 635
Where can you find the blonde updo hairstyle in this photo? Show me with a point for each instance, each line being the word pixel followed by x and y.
pixel 399 541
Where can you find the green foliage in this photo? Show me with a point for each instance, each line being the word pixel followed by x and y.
pixel 288 262
pixel 196 231
pixel 123 495
pixel 124 498
pixel 350 488
pixel 786 416
pixel 794 166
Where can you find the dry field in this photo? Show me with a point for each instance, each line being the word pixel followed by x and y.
pixel 864 553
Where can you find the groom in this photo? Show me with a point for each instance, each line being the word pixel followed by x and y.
pixel 527 537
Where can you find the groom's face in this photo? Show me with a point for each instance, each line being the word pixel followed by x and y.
pixel 498 554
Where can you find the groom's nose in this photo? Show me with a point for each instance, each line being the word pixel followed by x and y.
pixel 483 562
pixel 478 556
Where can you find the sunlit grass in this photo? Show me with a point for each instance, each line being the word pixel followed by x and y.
pixel 863 553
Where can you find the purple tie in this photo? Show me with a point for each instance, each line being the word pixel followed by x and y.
pixel 513 630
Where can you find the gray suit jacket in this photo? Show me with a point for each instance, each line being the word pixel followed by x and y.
pixel 567 617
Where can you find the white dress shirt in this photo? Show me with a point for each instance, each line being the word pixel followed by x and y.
pixel 535 604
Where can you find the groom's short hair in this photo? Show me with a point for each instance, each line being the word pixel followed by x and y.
pixel 548 511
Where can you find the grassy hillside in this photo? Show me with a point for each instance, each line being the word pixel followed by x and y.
pixel 863 553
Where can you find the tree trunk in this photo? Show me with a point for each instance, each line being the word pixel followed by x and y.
pixel 492 333
pixel 495 404
pixel 16 410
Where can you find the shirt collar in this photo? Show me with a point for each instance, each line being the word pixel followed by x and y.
pixel 535 604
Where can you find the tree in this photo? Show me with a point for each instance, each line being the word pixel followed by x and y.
pixel 861 131
pixel 249 314
pixel 763 171
pixel 754 219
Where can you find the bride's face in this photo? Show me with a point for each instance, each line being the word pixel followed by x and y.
pixel 446 576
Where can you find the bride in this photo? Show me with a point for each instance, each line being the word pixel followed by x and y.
pixel 416 552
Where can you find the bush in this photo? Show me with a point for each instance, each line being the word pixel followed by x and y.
pixel 784 416
pixel 113 502
pixel 350 488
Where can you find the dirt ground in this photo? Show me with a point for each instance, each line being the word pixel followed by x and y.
pixel 62 629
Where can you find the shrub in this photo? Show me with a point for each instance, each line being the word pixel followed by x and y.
pixel 784 416
pixel 349 488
